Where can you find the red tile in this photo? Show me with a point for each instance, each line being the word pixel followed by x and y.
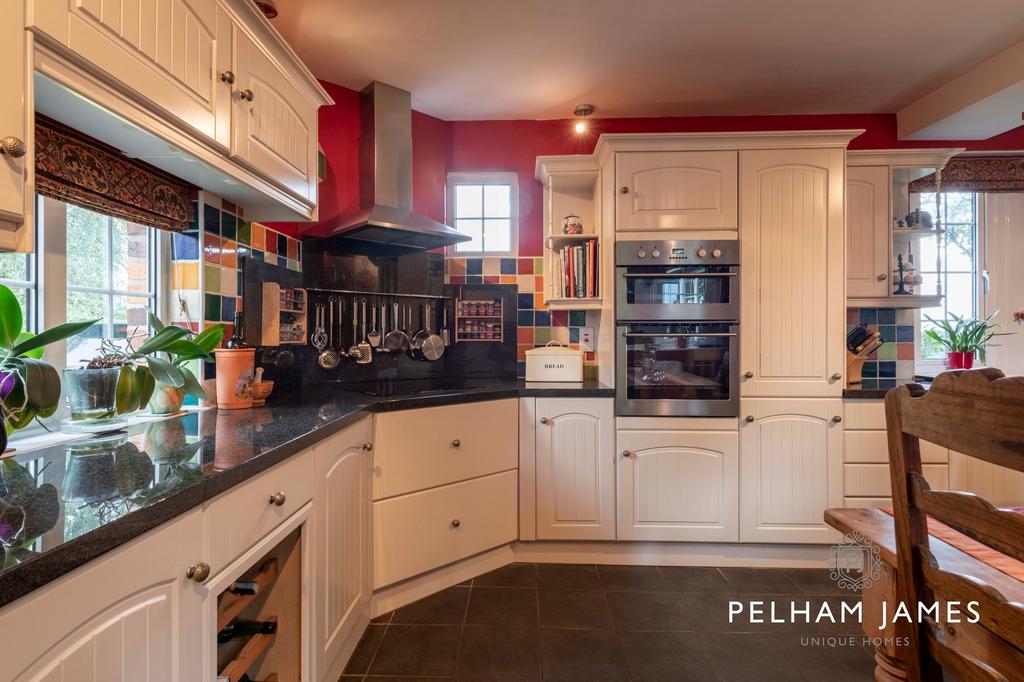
pixel 852 316
pixel 524 335
pixel 492 279
pixel 293 249
pixel 559 318
pixel 228 206
pixel 525 266
pixel 456 279
pixel 904 351
pixel 589 356
pixel 270 245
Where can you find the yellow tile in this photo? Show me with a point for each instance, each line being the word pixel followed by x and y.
pixel 185 275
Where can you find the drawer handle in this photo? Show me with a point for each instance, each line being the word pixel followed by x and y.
pixel 837 376
pixel 456 443
pixel 748 375
pixel 456 523
pixel 836 419
pixel 367 446
pixel 277 499
pixel 627 454
pixel 228 77
pixel 246 95
pixel 750 419
pixel 544 420
pixel 198 572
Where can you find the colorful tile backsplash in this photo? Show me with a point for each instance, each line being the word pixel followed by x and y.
pixel 537 324
pixel 896 356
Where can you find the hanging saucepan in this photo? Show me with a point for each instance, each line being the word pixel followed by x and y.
pixel 416 343
pixel 432 347
pixel 395 340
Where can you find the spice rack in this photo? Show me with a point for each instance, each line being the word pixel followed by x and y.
pixel 479 321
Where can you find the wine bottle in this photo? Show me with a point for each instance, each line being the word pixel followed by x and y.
pixel 246 628
pixel 237 339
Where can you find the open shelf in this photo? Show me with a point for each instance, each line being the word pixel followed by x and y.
pixel 913 233
pixel 251 651
pixel 574 303
pixel 231 604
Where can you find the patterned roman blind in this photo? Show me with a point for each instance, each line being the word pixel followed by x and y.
pixel 977 174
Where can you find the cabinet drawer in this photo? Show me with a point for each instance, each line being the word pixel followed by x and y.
pixel 434 446
pixel 873 446
pixel 872 480
pixel 864 414
pixel 416 533
pixel 239 518
pixel 867 502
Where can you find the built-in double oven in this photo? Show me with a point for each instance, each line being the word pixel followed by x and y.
pixel 677 328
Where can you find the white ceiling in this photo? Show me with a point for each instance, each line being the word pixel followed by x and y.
pixel 500 59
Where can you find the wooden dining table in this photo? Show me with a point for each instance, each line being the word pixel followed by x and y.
pixel 891 652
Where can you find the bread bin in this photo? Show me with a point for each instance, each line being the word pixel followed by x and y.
pixel 554 362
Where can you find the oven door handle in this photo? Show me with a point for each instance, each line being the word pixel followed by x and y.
pixel 671 275
pixel 629 335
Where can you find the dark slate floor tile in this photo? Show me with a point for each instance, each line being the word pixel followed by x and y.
pixel 573 609
pixel 631 579
pixel 665 657
pixel 499 652
pixel 699 579
pixel 447 607
pixel 361 658
pixel 570 576
pixel 847 661
pixel 746 657
pixel 815 581
pixel 646 611
pixel 417 650
pixel 760 581
pixel 513 575
pixel 581 656
pixel 710 612
pixel 512 606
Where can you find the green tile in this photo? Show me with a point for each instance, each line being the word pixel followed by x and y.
pixel 577 318
pixel 244 231
pixel 538 266
pixel 293 264
pixel 541 335
pixel 211 308
pixel 211 279
pixel 887 352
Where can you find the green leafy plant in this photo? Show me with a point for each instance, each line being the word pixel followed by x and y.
pixel 963 334
pixel 29 386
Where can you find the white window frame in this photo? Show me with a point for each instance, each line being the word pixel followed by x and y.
pixel 509 178
pixel 30 286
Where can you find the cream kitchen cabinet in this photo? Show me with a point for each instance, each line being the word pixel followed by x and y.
pixel 791 469
pixel 675 190
pixel 867 231
pixel 792 290
pixel 575 469
pixel 130 616
pixel 16 195
pixel 343 573
pixel 678 485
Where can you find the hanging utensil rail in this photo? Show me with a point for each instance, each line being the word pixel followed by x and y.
pixel 379 294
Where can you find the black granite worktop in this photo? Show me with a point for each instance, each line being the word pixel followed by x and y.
pixel 875 389
pixel 67 504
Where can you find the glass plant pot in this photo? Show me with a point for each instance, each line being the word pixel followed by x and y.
pixel 92 397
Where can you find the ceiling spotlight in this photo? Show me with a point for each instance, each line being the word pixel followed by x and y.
pixel 581 112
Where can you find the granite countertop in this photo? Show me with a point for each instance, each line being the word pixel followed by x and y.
pixel 875 389
pixel 67 504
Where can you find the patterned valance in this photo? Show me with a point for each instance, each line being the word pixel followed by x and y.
pixel 78 169
pixel 977 174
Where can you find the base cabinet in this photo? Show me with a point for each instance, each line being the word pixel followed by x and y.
pixel 678 485
pixel 575 470
pixel 791 469
pixel 16 117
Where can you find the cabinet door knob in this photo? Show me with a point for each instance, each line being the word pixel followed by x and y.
pixel 748 375
pixel 246 95
pixel 456 443
pixel 13 147
pixel 836 419
pixel 277 499
pixel 367 446
pixel 837 376
pixel 228 77
pixel 624 189
pixel 456 523
pixel 627 454
pixel 750 419
pixel 544 420
pixel 198 572
pixel 883 277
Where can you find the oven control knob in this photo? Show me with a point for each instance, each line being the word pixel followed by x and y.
pixel 702 252
pixel 641 254
pixel 655 254
pixel 716 253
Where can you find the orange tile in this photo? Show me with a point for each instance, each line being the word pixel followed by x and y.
pixel 904 351
pixel 457 267
pixel 521 351
pixel 211 248
pixel 525 335
pixel 293 249
pixel 508 279
pixel 229 254
pixel 539 282
pixel 538 302
pixel 259 236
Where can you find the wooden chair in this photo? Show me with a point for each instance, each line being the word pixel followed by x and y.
pixel 979 413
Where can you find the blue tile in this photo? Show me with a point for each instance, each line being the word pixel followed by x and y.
pixel 508 266
pixel 574 334
pixel 211 219
pixel 526 301
pixel 870 370
pixel 868 315
pixel 521 369
pixel 209 370
pixel 542 318
pixel 888 332
pixel 886 316
pixel 228 226
pixel 184 246
pixel 282 245
pixel 227 309
pixel 474 279
pixel 887 369
pixel 525 318
pixel 256 255
pixel 905 333
pixel 474 266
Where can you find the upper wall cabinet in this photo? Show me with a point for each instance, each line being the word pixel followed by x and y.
pixel 675 190
pixel 867 231
pixel 15 131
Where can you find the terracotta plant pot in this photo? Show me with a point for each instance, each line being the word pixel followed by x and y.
pixel 959 359
pixel 166 399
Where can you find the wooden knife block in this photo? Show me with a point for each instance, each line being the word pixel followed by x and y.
pixel 854 368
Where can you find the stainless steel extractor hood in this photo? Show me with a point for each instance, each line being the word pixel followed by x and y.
pixel 385 223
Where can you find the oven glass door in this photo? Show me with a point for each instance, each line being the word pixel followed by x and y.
pixel 677 370
pixel 694 292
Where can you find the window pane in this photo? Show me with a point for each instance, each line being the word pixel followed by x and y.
pixel 958 207
pixel 960 248
pixel 81 307
pixel 474 229
pixel 87 247
pixel 497 202
pixel 130 253
pixel 131 317
pixel 925 250
pixel 14 266
pixel 960 294
pixel 468 201
pixel 497 235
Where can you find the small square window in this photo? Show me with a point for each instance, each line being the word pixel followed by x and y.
pixel 483 207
